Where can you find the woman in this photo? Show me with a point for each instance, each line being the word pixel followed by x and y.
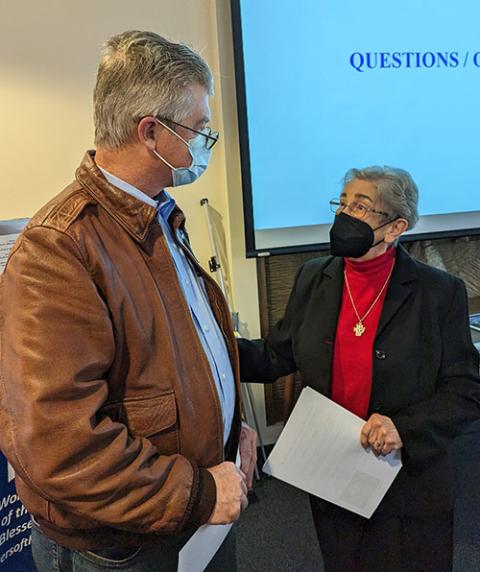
pixel 386 337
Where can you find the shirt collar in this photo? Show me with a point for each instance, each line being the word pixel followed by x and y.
pixel 127 187
pixel 166 205
pixel 163 202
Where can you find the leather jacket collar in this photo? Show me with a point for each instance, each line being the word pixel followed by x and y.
pixel 133 215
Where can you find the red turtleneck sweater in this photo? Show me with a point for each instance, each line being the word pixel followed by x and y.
pixel 352 361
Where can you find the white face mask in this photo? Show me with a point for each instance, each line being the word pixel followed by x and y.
pixel 200 159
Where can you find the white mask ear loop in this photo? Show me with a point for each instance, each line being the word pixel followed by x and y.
pixel 171 131
pixel 155 152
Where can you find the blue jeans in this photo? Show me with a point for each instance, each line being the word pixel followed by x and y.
pixel 52 557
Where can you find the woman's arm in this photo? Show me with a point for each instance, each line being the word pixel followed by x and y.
pixel 427 428
pixel 265 360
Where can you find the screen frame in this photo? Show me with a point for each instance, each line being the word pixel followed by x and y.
pixel 251 250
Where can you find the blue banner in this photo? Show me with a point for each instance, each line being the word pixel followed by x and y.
pixel 15 525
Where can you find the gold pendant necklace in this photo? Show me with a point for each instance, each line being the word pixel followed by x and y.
pixel 359 328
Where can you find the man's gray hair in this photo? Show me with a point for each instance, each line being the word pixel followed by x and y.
pixel 140 74
pixel 398 191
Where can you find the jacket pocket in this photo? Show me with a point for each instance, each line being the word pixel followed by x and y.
pixel 154 418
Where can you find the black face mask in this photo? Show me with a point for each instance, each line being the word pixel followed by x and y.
pixel 352 237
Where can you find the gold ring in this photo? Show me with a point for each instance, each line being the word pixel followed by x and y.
pixel 378 444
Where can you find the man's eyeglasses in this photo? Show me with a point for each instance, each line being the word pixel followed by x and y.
pixel 358 209
pixel 211 137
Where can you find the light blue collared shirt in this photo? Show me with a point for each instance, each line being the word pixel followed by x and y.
pixel 208 330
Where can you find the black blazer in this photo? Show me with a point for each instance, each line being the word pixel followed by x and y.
pixel 425 367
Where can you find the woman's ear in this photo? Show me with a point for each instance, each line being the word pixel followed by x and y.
pixel 395 230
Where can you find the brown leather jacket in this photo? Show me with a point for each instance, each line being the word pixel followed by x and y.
pixel 108 409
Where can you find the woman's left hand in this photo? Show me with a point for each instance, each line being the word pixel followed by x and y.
pixel 380 433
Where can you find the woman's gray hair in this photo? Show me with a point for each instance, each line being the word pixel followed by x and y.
pixel 140 74
pixel 398 191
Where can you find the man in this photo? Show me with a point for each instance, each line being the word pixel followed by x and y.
pixel 120 404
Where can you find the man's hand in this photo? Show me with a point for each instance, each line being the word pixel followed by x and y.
pixel 231 493
pixel 248 452
pixel 380 433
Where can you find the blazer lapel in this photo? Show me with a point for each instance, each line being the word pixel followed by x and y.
pixel 331 293
pixel 323 324
pixel 402 285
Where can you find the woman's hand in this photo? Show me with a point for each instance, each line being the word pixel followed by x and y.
pixel 380 433
pixel 248 452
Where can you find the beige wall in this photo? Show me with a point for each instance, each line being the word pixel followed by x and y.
pixel 48 57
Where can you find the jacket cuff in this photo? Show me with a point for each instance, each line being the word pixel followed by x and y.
pixel 205 498
pixel 419 446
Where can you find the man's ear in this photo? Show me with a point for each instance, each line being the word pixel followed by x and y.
pixel 395 230
pixel 146 131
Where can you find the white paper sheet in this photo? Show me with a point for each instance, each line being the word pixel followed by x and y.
pixel 9 230
pixel 6 243
pixel 202 547
pixel 319 452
